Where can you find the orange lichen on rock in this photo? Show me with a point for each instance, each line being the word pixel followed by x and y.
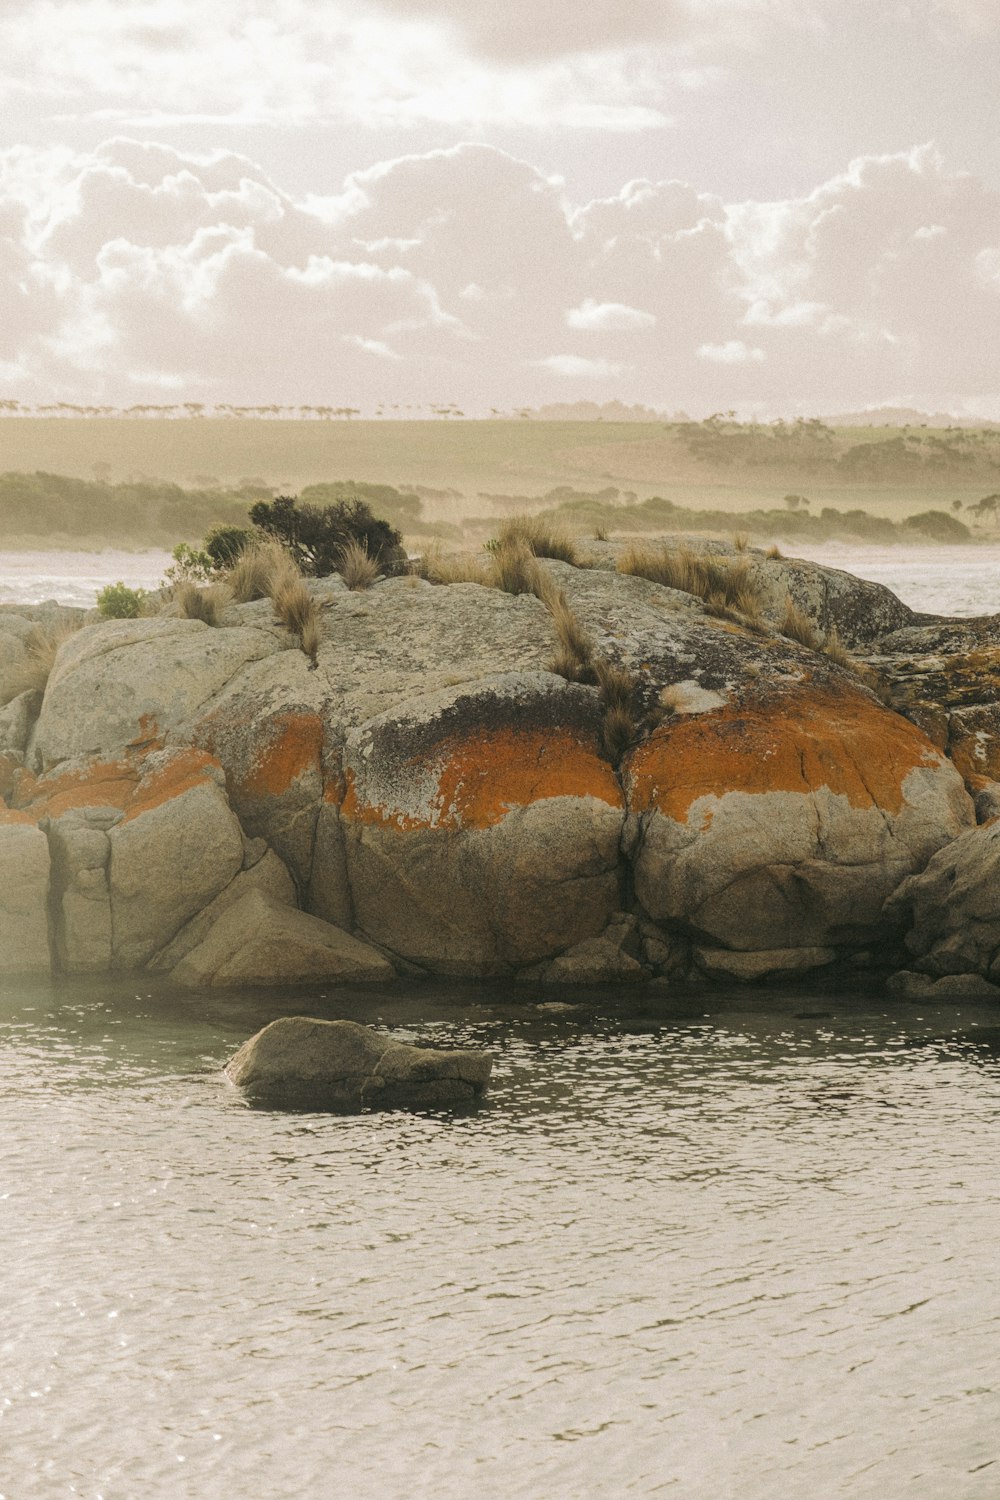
pixel 101 783
pixel 179 773
pixel 130 785
pixel 149 736
pixel 263 759
pixel 480 778
pixel 799 742
pixel 9 815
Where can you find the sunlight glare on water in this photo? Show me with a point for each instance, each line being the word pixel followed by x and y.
pixel 704 1254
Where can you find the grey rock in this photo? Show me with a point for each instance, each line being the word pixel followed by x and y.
pixel 24 893
pixel 258 940
pixel 909 984
pixel 988 802
pixel 344 1067
pixel 268 876
pixel 722 963
pixel 16 719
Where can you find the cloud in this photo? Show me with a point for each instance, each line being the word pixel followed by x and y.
pixel 608 317
pixel 469 274
pixel 732 352
pixel 579 368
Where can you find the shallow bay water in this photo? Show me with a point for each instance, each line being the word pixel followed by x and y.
pixel 739 1247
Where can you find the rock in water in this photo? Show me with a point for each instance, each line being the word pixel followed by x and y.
pixel 298 1062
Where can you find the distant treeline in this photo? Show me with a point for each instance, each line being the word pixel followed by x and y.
pixel 810 446
pixel 55 508
pixel 596 514
pixel 154 512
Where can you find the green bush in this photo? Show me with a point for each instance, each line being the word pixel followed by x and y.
pixel 190 565
pixel 118 602
pixel 224 544
pixel 316 536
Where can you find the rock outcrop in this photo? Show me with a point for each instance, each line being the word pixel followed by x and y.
pixel 340 1066
pixel 432 797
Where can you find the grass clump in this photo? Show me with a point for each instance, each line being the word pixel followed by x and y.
pixel 194 603
pixel 574 658
pixel 296 609
pixel 436 566
pixel 797 626
pixel 257 569
pixel 539 536
pixel 41 648
pixel 834 648
pixel 618 700
pixel 358 568
pixel 513 568
pixel 726 585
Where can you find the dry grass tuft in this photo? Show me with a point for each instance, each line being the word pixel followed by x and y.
pixel 834 648
pixel 311 636
pixel 295 607
pixel 797 626
pixel 293 604
pixel 436 566
pixel 514 569
pixel 618 698
pixel 358 568
pixel 726 585
pixel 540 537
pixel 574 658
pixel 600 533
pixel 774 552
pixel 41 648
pixel 741 541
pixel 260 568
pixel 194 603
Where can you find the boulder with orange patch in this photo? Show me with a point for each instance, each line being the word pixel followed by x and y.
pixel 482 826
pixel 784 819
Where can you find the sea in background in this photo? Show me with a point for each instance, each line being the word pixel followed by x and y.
pixel 936 580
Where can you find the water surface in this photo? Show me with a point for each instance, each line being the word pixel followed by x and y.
pixel 739 1248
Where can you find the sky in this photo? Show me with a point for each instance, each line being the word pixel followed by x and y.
pixel 776 207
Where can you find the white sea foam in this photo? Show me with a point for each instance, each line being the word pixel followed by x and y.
pixel 75 577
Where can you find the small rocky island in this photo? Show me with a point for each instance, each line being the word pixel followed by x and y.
pixel 595 779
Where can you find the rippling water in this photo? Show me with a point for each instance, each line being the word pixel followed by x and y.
pixel 693 1249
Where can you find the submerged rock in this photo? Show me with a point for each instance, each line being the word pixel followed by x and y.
pixel 345 1067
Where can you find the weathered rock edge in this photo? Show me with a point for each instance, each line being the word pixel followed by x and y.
pixel 344 1067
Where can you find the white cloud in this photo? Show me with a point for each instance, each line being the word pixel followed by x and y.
pixel 608 317
pixel 732 352
pixel 136 269
pixel 579 368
